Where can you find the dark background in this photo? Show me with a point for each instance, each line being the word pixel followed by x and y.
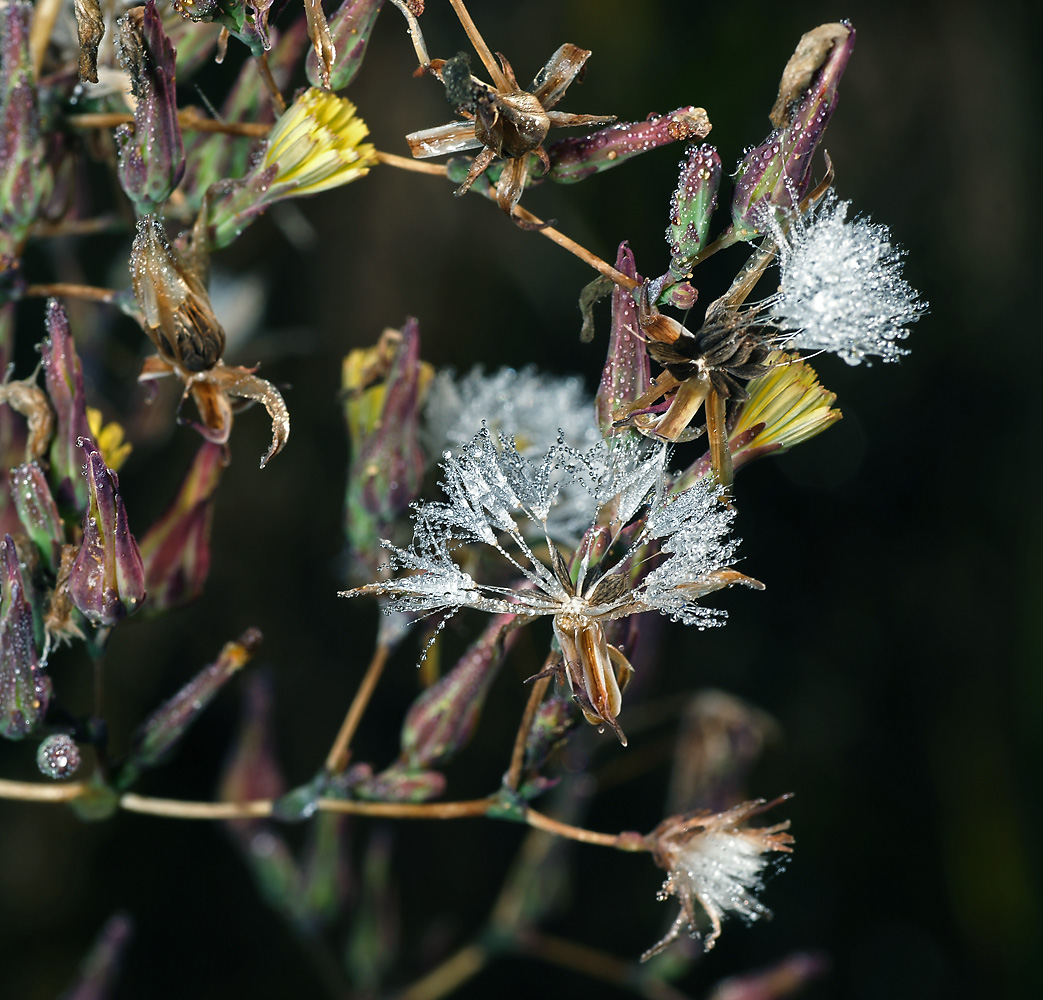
pixel 897 644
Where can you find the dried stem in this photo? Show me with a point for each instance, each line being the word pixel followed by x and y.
pixel 191 120
pixel 406 163
pixel 603 266
pixel 78 227
pixel 449 976
pixel 61 289
pixel 717 431
pixel 340 753
pixel 484 52
pixel 539 689
pixel 415 34
pixel 594 963
pixel 35 791
pixel 269 82
pixel 626 841
pixel 45 14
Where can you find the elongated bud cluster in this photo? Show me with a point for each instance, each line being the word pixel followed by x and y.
pixel 691 208
pixel 384 389
pixel 777 173
pixel 626 373
pixel 107 581
pixel 176 549
pixel 161 732
pixel 25 178
pixel 442 720
pixel 576 159
pixel 351 27
pixel 63 375
pixel 152 155
pixel 38 512
pixel 25 690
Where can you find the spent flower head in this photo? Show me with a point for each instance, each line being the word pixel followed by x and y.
pixel 841 286
pixel 488 484
pixel 715 860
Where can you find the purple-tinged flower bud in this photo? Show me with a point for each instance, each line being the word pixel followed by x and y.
pixel 248 21
pixel 25 690
pixel 399 783
pixel 38 512
pixel 63 375
pixel 107 580
pixel 691 209
pixel 58 756
pixel 25 178
pixel 163 730
pixel 555 718
pixel 100 968
pixel 151 153
pixel 351 27
pixel 176 549
pixel 785 978
pixel 384 388
pixel 626 373
pixel 777 173
pixel 576 159
pixel 442 720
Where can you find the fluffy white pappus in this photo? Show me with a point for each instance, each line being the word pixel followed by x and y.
pixel 717 862
pixel 841 287
pixel 529 407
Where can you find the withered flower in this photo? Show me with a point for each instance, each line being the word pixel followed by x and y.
pixel 178 317
pixel 510 123
pixel 486 485
pixel 715 860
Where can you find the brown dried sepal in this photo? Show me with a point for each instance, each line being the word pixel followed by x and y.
pixel 321 39
pixel 90 29
pixel 692 126
pixel 28 399
pixel 807 59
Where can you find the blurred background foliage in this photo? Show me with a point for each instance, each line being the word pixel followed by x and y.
pixel 898 644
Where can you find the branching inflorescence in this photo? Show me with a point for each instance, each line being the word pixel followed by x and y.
pixel 556 505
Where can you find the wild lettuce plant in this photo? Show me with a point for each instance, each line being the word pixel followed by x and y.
pixel 587 510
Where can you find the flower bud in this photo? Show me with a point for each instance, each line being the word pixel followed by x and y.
pixel 25 690
pixel 555 718
pixel 63 375
pixel 176 549
pixel 161 732
pixel 777 173
pixel 399 783
pixel 151 153
pixel 58 756
pixel 785 978
pixel 38 512
pixel 442 720
pixel 315 145
pixel 107 580
pixel 351 27
pixel 383 387
pixel 576 159
pixel 25 177
pixel 248 21
pixel 100 969
pixel 626 373
pixel 174 301
pixel 691 209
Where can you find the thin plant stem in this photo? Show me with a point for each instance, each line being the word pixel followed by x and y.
pixel 451 974
pixel 340 753
pixel 483 50
pixel 259 808
pixel 626 841
pixel 415 34
pixel 514 773
pixel 191 120
pixel 416 166
pixel 269 81
pixel 45 14
pixel 596 262
pixel 594 963
pixel 60 289
pixel 78 227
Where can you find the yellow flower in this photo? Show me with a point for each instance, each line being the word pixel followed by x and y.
pixel 317 144
pixel 785 407
pixel 109 439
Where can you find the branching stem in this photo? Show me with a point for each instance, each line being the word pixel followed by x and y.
pixel 340 753
pixel 60 289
